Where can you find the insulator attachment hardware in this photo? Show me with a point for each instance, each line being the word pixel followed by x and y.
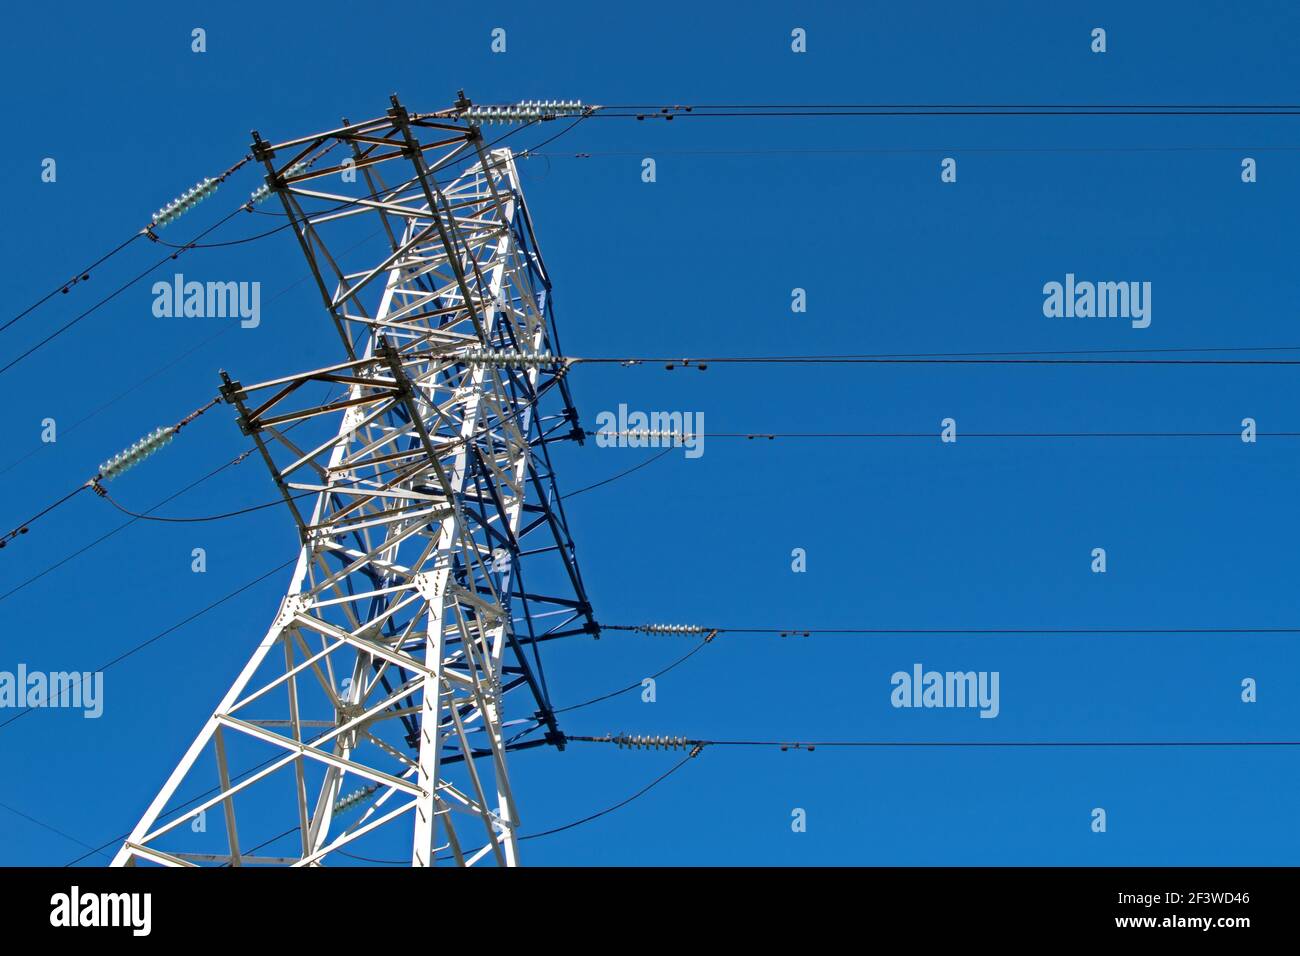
pixel 185 202
pixel 125 460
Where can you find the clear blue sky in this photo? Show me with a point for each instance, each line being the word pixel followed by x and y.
pixel 898 533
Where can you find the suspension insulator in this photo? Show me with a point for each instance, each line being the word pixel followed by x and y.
pixel 671 629
pixel 126 460
pixel 353 798
pixel 524 111
pixel 507 358
pixel 262 192
pixel 649 742
pixel 185 202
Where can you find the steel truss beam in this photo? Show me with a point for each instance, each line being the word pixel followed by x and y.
pixel 407 626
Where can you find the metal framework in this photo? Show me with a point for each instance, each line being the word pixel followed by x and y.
pixel 435 556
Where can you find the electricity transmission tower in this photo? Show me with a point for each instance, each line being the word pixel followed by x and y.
pixel 371 720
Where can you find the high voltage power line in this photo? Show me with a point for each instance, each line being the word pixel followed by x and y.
pixel 777 110
pixel 132 651
pixel 886 150
pixel 772 436
pixel 635 685
pixel 668 112
pixel 114 467
pixel 64 430
pixel 675 435
pixel 782 744
pixel 175 359
pixel 265 843
pixel 108 298
pixel 703 362
pixel 697 629
pixel 84 274
pixel 764 107
pixel 244 587
pixel 822 111
pixel 667 742
pixel 696 746
pixel 968 357
pixel 954 359
pixel 126 524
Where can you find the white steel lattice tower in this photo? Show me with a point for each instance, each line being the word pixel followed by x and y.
pixel 375 717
